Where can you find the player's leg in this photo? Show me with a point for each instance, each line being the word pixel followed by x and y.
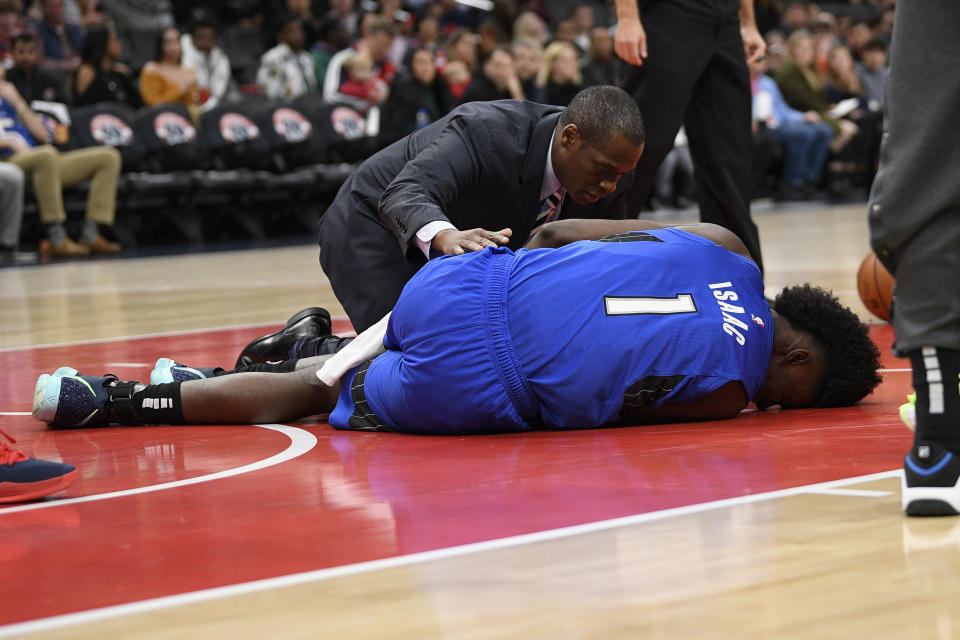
pixel 915 229
pixel 68 399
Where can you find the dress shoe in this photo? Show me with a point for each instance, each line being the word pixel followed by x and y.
pixel 311 322
pixel 66 249
pixel 102 245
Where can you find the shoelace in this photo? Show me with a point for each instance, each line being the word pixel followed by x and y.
pixel 9 455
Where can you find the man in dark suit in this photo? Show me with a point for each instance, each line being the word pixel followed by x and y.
pixel 478 177
pixel 486 174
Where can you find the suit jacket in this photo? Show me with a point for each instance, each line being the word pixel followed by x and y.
pixel 481 165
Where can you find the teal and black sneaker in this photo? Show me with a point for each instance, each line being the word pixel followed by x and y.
pixel 65 398
pixel 169 370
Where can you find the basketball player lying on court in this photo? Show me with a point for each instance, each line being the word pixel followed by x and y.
pixel 644 324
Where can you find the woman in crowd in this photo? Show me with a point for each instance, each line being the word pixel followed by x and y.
pixel 560 76
pixel 165 80
pixel 100 77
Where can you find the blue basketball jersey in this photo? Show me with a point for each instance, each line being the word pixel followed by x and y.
pixel 641 318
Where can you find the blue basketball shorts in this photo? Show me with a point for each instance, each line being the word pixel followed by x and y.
pixel 449 367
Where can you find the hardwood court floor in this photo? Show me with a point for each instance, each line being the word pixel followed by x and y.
pixel 776 524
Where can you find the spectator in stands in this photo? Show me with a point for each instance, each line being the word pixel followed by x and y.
pixel 795 17
pixel 600 65
pixel 138 15
pixel 9 27
pixel 333 37
pixel 497 79
pixel 776 51
pixel 841 80
pixel 489 36
pixel 530 26
pixel 88 13
pixel 61 40
pixel 453 16
pixel 100 77
pixel 872 72
pixel 804 137
pixel 804 91
pixel 165 79
pixel 376 42
pixel 582 21
pixel 675 184
pixel 342 12
pixel 528 58
pixel 33 82
pixel 560 76
pixel 286 70
pixel 11 212
pixel 208 61
pixel 844 84
pixel 428 35
pixel 361 81
pixel 50 170
pixel 857 36
pixel 462 47
pixel 456 79
pixel 311 24
pixel 415 99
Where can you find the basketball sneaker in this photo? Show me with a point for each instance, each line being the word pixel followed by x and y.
pixel 930 485
pixel 169 370
pixel 24 478
pixel 65 398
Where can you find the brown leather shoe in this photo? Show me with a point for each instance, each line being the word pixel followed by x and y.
pixel 102 245
pixel 66 249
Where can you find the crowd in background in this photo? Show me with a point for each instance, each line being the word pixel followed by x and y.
pixel 818 94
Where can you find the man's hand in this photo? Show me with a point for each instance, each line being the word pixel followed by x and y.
pixel 630 41
pixel 454 242
pixel 811 117
pixel 754 46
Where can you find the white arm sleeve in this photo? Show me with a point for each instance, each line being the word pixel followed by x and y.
pixel 365 346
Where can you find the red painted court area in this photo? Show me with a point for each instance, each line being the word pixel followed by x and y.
pixel 354 497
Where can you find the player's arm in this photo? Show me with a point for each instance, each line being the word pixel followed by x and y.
pixel 720 404
pixel 563 232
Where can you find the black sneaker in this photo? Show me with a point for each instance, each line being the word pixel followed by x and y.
pixel 929 486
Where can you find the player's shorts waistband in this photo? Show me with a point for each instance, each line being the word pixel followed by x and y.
pixel 499 340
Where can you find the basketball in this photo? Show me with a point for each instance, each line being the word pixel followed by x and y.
pixel 875 286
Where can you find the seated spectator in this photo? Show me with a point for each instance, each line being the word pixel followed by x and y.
pixel 9 27
pixel 164 79
pixel 530 26
pixel 674 186
pixel 286 70
pixel 50 170
pixel 857 36
pixel 528 58
pixel 208 61
pixel 560 76
pixel 462 47
pixel 843 84
pixel 11 212
pixel 415 99
pixel 61 40
pixel 841 81
pixel 88 13
pixel 600 65
pixel 332 37
pixel 582 20
pixel 342 11
pixel 100 77
pixel 456 78
pixel 311 23
pixel 804 91
pixel 376 42
pixel 872 72
pixel 804 137
pixel 489 36
pixel 497 79
pixel 33 82
pixel 361 81
pixel 428 35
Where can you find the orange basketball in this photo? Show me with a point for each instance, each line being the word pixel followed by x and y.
pixel 875 286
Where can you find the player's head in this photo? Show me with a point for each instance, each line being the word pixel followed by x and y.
pixel 599 138
pixel 824 358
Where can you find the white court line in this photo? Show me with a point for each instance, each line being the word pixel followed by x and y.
pixel 163 334
pixel 908 370
pixel 15 413
pixel 120 365
pixel 853 493
pixel 301 441
pixel 243 588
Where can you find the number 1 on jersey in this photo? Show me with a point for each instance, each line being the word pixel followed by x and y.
pixel 629 306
